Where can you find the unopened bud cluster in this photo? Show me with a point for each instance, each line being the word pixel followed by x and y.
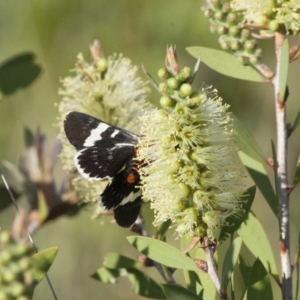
pixel 234 36
pixel 191 172
pixel 16 281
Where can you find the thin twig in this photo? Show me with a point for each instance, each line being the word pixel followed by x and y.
pixel 28 233
pixel 282 183
pixel 212 270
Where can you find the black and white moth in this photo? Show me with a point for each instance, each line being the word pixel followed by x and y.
pixel 107 152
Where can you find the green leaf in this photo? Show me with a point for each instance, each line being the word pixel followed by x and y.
pixel 297 173
pixel 296 122
pixel 41 262
pixel 259 175
pixel 191 279
pixel 144 285
pixel 275 168
pixel 153 82
pixel 256 240
pixel 230 260
pixel 162 228
pixel 18 72
pixel 107 275
pixel 235 221
pixel 162 252
pixel 245 141
pixel 245 272
pixel 202 292
pixel 225 64
pixel 283 69
pixel 177 292
pixel 297 267
pixel 259 285
pixel 5 200
pixel 117 261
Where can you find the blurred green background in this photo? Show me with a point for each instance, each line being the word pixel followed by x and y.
pixel 56 31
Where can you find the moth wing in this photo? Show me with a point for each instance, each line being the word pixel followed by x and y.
pixel 103 149
pixel 84 131
pixel 103 160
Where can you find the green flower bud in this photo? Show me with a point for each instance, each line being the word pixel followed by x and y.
pixel 5 256
pixel 253 59
pixel 273 25
pixel 235 45
pixel 185 73
pixel 186 89
pixel 243 60
pixel 166 101
pixel 17 289
pixel 200 230
pixel 226 8
pixel 234 30
pixel 8 275
pixel 163 87
pixel 231 17
pixel 24 263
pixel 184 190
pixel 102 64
pixel 173 83
pixel 5 237
pixel 246 33
pixel 224 45
pixel 218 15
pixel 182 205
pixel 250 45
pixel 208 13
pixel 192 213
pixel 221 29
pixel 163 73
pixel 261 20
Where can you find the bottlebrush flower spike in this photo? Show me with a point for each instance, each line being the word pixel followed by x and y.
pixel 191 172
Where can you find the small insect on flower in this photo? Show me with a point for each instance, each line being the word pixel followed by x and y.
pixel 107 152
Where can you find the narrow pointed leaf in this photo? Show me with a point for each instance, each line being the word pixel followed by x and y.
pixel 42 261
pixel 297 256
pixel 275 168
pixel 225 64
pixel 259 285
pixel 230 260
pixel 117 261
pixel 245 141
pixel 177 292
pixel 259 174
pixel 162 228
pixel 18 72
pixel 296 122
pixel 283 69
pixel 5 200
pixel 150 77
pixel 297 173
pixel 162 253
pixel 191 279
pixel 257 242
pixel 245 270
pixel 202 293
pixel 144 285
pixel 107 275
pixel 235 221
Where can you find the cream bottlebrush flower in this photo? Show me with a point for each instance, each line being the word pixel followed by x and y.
pixel 190 170
pixel 108 89
pixel 270 13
